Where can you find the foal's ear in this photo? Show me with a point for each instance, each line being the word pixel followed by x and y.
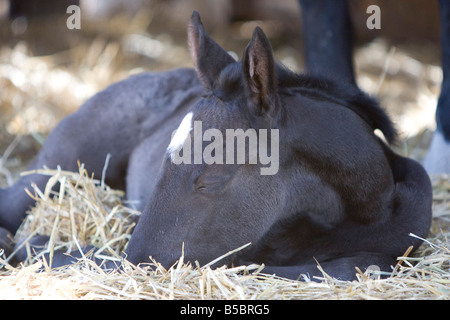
pixel 209 58
pixel 259 74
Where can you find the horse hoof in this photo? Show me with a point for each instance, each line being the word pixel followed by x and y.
pixel 6 242
pixel 35 245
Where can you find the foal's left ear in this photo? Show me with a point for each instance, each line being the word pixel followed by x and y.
pixel 259 74
pixel 209 58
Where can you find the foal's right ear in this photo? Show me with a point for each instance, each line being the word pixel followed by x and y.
pixel 209 58
pixel 259 72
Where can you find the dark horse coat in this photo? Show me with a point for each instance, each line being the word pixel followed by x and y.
pixel 340 197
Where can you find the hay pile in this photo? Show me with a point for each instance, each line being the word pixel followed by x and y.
pixel 83 212
pixel 86 211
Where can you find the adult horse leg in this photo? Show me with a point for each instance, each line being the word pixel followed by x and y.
pixel 327 34
pixel 438 157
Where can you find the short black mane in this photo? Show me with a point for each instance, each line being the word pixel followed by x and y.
pixel 229 83
pixel 339 92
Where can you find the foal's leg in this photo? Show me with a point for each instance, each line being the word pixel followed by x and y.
pixel 438 157
pixel 327 34
pixel 99 127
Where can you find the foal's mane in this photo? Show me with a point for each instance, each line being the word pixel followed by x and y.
pixel 317 87
pixel 339 92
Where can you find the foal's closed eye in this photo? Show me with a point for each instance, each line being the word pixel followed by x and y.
pixel 211 184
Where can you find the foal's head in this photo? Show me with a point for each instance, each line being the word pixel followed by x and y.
pixel 262 146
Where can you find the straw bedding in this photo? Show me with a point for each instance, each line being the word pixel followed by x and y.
pixel 85 211
pixel 82 210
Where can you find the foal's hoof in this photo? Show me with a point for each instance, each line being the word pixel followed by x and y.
pixel 6 242
pixel 35 245
pixel 59 258
pixel 39 243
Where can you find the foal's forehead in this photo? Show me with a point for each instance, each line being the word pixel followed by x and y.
pixel 229 83
pixel 224 105
pixel 215 112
